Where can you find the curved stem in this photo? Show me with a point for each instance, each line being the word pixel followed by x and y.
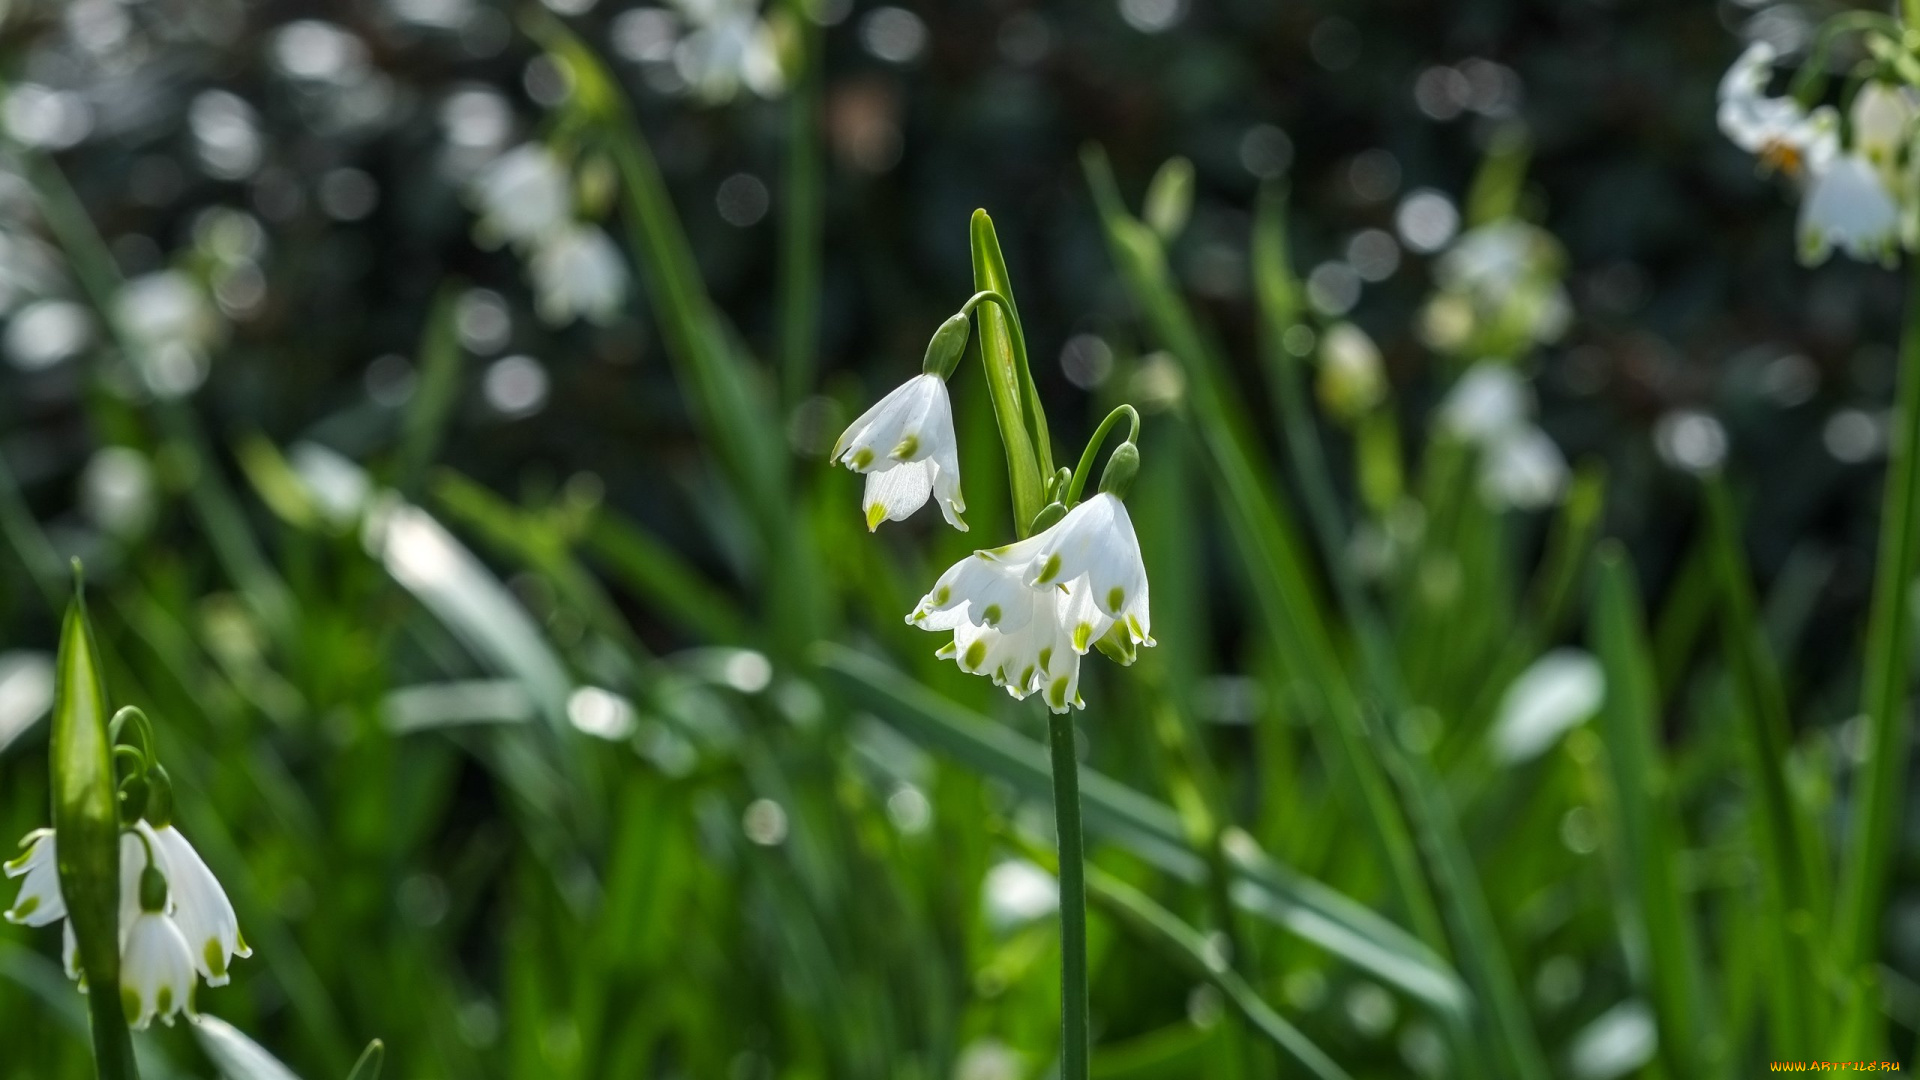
pixel 1074 1043
pixel 1093 446
pixel 1815 68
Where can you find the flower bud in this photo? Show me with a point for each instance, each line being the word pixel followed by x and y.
pixel 1169 198
pixel 1121 468
pixel 153 889
pixel 159 811
pixel 1048 516
pixel 948 345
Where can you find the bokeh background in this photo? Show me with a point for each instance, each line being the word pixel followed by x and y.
pixel 715 862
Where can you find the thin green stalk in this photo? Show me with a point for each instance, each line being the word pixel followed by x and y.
pixel 1883 694
pixel 1085 467
pixel 801 226
pixel 1074 1042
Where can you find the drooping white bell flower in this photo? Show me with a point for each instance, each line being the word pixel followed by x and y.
pixel 1849 207
pixel 1096 541
pixel 1782 132
pixel 1883 117
pixel 905 446
pixel 1489 400
pixel 201 909
pixel 524 195
pixel 39 901
pixel 156 970
pixel 577 271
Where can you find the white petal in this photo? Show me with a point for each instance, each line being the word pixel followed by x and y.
pixel 1849 207
pixel 869 441
pixel 39 901
pixel 894 494
pixel 1095 539
pixel 1525 469
pixel 977 589
pixel 156 970
pixel 201 908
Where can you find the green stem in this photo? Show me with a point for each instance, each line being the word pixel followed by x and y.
pixel 1073 899
pixel 799 286
pixel 1884 693
pixel 1093 447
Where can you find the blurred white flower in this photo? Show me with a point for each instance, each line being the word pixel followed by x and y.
pixel 117 490
pixel 46 332
pixel 905 446
pixel 577 271
pixel 729 46
pixel 1492 408
pixel 523 196
pixel 1352 377
pixel 1883 117
pixel 171 324
pixel 1556 693
pixel 1779 130
pixel 1849 206
pixel 1489 400
pixel 1523 469
pixel 1499 290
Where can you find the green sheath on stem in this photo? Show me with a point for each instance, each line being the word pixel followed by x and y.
pixel 1008 383
pixel 86 825
pixel 1073 900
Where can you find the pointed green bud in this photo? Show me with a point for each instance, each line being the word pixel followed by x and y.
pixel 1169 198
pixel 1117 478
pixel 159 798
pixel 949 344
pixel 153 889
pixel 1048 517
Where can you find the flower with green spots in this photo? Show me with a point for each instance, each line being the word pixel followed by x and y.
pixel 200 907
pixel 1024 614
pixel 39 902
pixel 904 445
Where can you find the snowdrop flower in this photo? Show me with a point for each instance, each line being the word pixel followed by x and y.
pixel 1848 206
pixel 171 324
pixel 1489 399
pixel 577 271
pixel 904 445
pixel 201 909
pixel 1025 613
pixel 1883 118
pixel 730 46
pixel 156 967
pixel 1523 468
pixel 523 196
pixel 39 902
pixel 1779 130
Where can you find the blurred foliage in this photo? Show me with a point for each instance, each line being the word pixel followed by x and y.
pixel 486 652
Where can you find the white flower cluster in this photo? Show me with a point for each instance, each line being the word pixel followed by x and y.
pixel 1851 195
pixel 175 919
pixel 1499 292
pixel 1491 408
pixel 1024 614
pixel 525 198
pixel 728 46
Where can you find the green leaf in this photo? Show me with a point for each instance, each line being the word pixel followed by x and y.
pixel 1153 831
pixel 432 404
pixel 238 1057
pixel 1659 925
pixel 1009 383
pixel 86 823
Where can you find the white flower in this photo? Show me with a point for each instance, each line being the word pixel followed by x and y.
pixel 524 195
pixel 729 46
pixel 1778 129
pixel 201 908
pixel 577 271
pixel 39 901
pixel 156 970
pixel 1883 118
pixel 1024 614
pixel 905 446
pixel 1490 399
pixel 1523 468
pixel 1848 206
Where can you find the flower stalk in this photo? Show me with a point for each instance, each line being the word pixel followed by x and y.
pixel 1074 1038
pixel 86 820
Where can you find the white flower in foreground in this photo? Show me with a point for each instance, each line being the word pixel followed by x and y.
pixel 156 970
pixel 1024 614
pixel 200 907
pixel 1849 207
pixel 904 445
pixel 524 195
pixel 39 902
pixel 577 271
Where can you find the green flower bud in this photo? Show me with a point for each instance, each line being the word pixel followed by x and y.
pixel 153 889
pixel 949 344
pixel 1121 468
pixel 1048 517
pixel 159 812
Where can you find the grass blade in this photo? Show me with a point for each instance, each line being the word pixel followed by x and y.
pixel 1154 831
pixel 1649 828
pixel 371 1060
